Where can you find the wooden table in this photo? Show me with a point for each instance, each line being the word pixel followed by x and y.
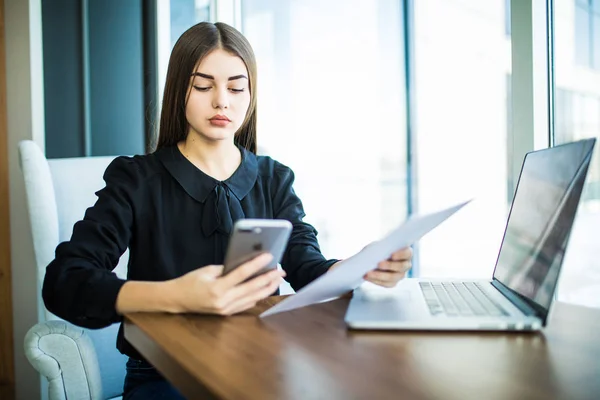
pixel 309 354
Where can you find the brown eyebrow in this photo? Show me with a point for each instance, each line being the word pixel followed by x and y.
pixel 231 78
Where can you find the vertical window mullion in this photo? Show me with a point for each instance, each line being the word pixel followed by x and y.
pixel 591 34
pixel 530 72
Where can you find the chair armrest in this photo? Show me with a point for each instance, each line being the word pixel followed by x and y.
pixel 65 355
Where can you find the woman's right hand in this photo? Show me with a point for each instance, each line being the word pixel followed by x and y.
pixel 206 290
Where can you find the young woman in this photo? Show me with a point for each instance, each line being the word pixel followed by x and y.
pixel 174 209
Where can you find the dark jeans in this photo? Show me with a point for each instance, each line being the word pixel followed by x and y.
pixel 143 382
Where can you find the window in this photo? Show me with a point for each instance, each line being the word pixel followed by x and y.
pixel 333 92
pixel 184 14
pixel 577 116
pixel 587 33
pixel 332 101
pixel 461 132
pixel 90 50
pixel 174 17
pixel 507 27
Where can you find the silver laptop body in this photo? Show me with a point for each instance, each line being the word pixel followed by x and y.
pixel 527 269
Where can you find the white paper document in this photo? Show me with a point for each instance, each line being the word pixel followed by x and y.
pixel 349 273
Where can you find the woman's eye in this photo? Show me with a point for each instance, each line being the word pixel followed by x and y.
pixel 201 88
pixel 237 90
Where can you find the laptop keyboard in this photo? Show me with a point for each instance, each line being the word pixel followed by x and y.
pixel 459 299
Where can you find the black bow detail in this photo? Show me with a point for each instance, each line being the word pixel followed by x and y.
pixel 221 210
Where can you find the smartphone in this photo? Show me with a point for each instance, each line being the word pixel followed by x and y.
pixel 252 237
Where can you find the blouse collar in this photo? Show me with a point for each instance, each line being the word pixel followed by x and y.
pixel 200 185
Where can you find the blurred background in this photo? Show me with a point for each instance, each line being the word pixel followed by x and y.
pixel 395 107
pixel 398 107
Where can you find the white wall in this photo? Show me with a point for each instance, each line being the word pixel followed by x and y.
pixel 24 75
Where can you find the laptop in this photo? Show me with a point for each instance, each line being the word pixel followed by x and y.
pixel 524 281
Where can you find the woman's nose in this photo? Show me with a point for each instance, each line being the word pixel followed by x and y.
pixel 221 99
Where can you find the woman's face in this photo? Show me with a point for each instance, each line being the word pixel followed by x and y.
pixel 219 96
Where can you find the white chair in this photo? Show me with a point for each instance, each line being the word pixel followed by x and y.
pixel 78 363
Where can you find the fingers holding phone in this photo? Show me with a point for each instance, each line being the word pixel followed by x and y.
pixel 246 288
pixel 247 270
pixel 249 273
pixel 206 290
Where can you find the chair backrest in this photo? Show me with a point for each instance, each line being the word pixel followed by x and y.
pixel 58 193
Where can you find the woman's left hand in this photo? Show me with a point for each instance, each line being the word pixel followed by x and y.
pixel 389 272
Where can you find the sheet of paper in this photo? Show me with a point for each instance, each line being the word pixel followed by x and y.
pixel 349 274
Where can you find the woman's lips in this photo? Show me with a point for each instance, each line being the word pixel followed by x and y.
pixel 219 120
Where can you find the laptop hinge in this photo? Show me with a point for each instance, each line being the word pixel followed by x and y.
pixel 518 301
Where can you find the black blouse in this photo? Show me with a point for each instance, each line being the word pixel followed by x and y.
pixel 174 219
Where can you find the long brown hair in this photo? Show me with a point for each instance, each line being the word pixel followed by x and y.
pixel 193 45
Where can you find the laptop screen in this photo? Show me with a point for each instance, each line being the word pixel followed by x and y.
pixel 541 218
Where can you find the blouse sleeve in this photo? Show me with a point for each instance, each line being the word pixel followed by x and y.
pixel 79 285
pixel 302 260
